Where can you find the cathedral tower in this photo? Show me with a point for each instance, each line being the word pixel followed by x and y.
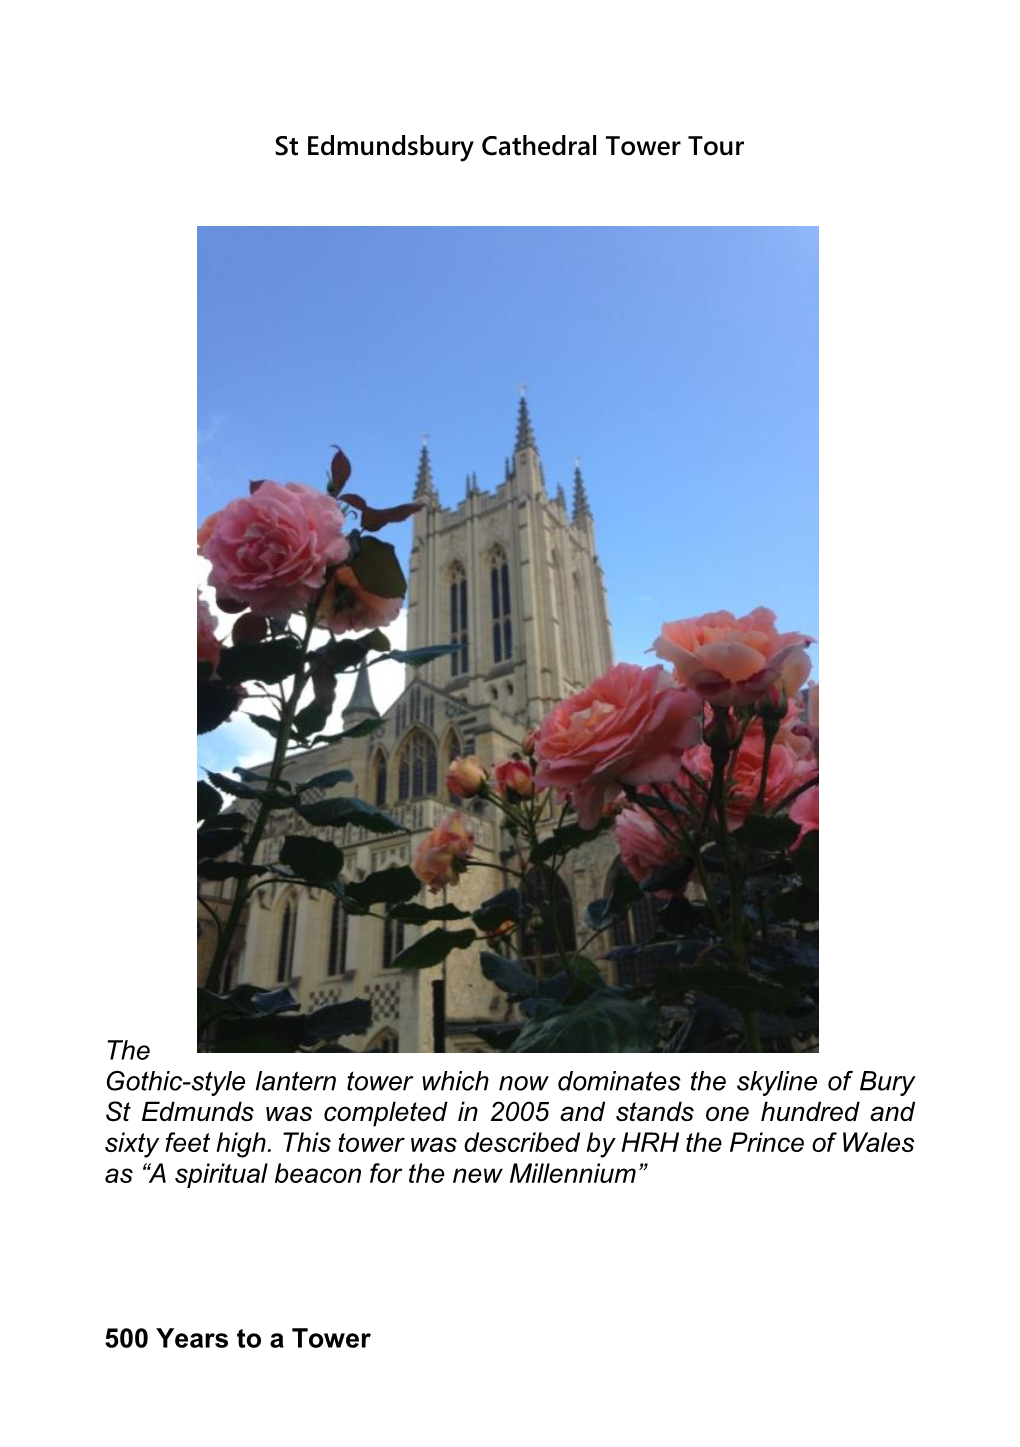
pixel 512 578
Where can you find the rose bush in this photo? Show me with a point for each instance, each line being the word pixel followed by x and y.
pixel 734 661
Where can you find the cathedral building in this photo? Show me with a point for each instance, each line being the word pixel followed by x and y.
pixel 511 577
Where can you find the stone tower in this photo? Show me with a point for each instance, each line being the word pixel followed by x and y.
pixel 513 579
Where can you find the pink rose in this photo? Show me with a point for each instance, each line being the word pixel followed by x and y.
pixel 731 660
pixel 804 811
pixel 347 607
pixel 630 726
pixel 645 847
pixel 208 644
pixel 271 550
pixel 786 773
pixel 440 856
pixel 465 777
pixel 515 775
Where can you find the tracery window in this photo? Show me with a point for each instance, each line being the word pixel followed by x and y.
pixel 502 626
pixel 336 962
pixel 393 940
pixel 458 621
pixel 636 927
pixel 285 951
pixel 535 891
pixel 417 772
pixel 379 776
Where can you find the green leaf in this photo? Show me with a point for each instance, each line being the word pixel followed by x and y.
pixel 209 802
pixel 326 781
pixel 587 971
pixel 508 975
pixel 212 842
pixel 348 1017
pixel 216 702
pixel 338 812
pixel 227 869
pixel 570 836
pixel 625 892
pixel 240 790
pixel 422 914
pixel 267 662
pixel 244 1000
pixel 359 731
pixel 604 1022
pixel 501 907
pixel 762 831
pixel 498 1037
pixel 343 654
pixel 395 885
pixel 377 569
pixel 733 987
pixel 416 657
pixel 263 721
pixel 432 948
pixel 315 860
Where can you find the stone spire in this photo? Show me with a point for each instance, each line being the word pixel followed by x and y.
pixel 424 487
pixel 361 704
pixel 471 484
pixel 525 436
pixel 561 497
pixel 581 506
pixel 507 470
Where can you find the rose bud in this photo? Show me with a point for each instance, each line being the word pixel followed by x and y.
pixel 465 777
pixel 515 777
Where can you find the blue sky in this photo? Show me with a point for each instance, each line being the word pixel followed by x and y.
pixel 681 364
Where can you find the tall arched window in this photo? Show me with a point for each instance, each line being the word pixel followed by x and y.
pixel 393 940
pixel 336 962
pixel 535 890
pixel 379 778
pixel 559 594
pixel 285 951
pixel 458 621
pixel 385 1043
pixel 502 628
pixel 452 749
pixel 416 775
pixel 636 927
pixel 584 623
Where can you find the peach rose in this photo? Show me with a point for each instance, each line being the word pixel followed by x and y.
pixel 642 844
pixel 631 726
pixel 786 773
pixel 208 643
pixel 731 660
pixel 515 775
pixel 465 777
pixel 271 550
pixel 347 607
pixel 804 811
pixel 440 856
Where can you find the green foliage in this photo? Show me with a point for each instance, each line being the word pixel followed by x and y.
pixel 314 860
pixel 326 781
pixel 565 839
pixel 507 905
pixel 270 662
pixel 240 790
pixel 423 914
pixel 377 569
pixel 209 802
pixel 605 1021
pixel 216 702
pixel 395 885
pixel 213 842
pixel 508 975
pixel 760 831
pixel 433 948
pixel 337 812
pixel 416 657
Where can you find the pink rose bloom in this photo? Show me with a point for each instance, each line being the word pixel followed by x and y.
pixel 271 550
pixel 440 856
pixel 465 777
pixel 208 644
pixel 786 773
pixel 804 811
pixel 731 660
pixel 631 726
pixel 642 844
pixel 515 775
pixel 347 607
